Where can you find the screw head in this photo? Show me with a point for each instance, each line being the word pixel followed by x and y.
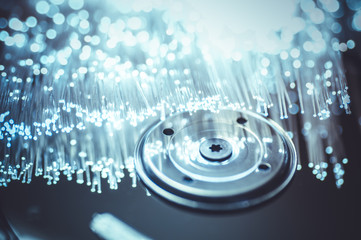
pixel 215 149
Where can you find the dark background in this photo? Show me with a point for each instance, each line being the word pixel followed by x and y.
pixel 308 209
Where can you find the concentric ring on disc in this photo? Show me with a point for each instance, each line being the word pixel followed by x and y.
pixel 215 161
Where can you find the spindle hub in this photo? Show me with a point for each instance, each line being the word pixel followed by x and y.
pixel 215 161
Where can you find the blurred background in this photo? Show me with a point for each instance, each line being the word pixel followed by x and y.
pixel 307 209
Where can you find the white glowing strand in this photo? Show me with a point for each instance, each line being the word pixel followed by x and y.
pixel 96 80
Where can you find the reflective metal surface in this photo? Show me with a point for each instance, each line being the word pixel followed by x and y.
pixel 216 161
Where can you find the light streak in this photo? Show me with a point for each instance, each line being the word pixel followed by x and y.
pixel 80 81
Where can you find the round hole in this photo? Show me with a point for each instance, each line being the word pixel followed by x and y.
pixel 168 131
pixel 264 167
pixel 187 179
pixel 241 120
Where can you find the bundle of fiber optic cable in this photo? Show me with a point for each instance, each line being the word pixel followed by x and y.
pixel 81 81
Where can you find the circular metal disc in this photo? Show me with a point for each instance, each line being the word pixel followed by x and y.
pixel 216 161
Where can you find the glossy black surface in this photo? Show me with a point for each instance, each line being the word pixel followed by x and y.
pixel 308 209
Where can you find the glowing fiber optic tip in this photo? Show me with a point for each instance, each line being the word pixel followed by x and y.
pixel 78 78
